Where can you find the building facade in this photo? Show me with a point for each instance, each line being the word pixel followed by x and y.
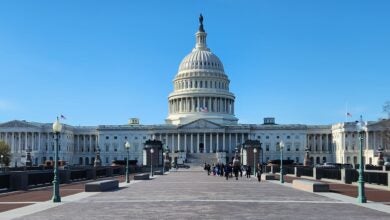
pixel 201 120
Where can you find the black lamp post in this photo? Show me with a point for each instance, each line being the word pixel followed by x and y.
pixel 151 161
pixel 360 125
pixel 57 127
pixel 127 146
pixel 281 145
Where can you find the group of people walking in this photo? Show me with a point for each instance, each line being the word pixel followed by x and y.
pixel 229 170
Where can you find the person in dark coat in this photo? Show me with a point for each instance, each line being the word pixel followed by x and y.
pixel 259 172
pixel 248 172
pixel 241 172
pixel 208 169
pixel 227 167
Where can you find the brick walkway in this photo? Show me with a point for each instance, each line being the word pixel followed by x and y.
pixel 19 199
pixel 375 195
pixel 195 195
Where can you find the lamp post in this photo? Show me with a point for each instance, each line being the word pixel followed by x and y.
pixel 254 161
pixel 360 125
pixel 281 145
pixel 127 146
pixel 164 155
pixel 57 127
pixel 1 161
pixel 151 161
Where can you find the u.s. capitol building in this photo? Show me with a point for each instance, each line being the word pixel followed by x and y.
pixel 201 120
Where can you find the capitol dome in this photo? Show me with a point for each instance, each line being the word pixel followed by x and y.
pixel 201 59
pixel 201 87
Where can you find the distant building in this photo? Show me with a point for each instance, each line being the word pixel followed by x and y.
pixel 201 121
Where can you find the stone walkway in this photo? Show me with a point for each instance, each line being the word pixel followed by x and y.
pixel 194 195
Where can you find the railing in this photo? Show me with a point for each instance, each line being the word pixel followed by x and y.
pixel 376 177
pixel 288 170
pixel 101 172
pixel 306 171
pixel 4 181
pixel 334 174
pixel 116 171
pixel 38 178
pixel 373 167
pixel 78 174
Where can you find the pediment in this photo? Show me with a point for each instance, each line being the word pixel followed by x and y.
pixel 17 124
pixel 201 124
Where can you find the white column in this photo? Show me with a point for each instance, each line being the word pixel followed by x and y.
pixel 32 141
pixel 217 148
pixel 236 134
pixel 39 141
pixel 197 146
pixel 366 140
pixel 178 142
pixel 25 143
pixel 211 141
pixel 78 143
pixel 374 140
pixel 13 141
pixel 242 138
pixel 185 142
pixel 204 143
pixel 230 142
pixel 20 142
pixel 223 142
pixel 173 142
pixel 192 143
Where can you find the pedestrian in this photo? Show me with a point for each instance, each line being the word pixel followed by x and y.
pixel 248 172
pixel 222 169
pixel 208 169
pixel 241 171
pixel 259 172
pixel 227 172
pixel 236 170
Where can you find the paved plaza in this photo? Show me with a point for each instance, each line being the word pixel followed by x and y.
pixel 195 195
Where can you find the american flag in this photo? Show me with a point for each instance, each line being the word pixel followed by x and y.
pixel 63 117
pixel 349 114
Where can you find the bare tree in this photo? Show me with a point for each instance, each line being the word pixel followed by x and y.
pixel 386 109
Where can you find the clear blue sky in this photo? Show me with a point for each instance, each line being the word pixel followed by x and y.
pixel 102 62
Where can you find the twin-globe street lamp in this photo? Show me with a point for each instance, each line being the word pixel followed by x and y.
pixel 57 127
pixel 165 150
pixel 151 161
pixel 281 145
pixel 254 161
pixel 360 125
pixel 127 146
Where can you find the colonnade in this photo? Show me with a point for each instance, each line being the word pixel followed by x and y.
pixel 320 143
pixel 206 142
pixel 201 104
